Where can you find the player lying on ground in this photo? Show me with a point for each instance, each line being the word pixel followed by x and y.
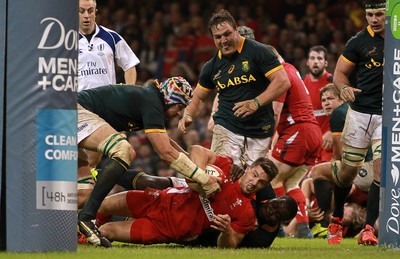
pixel 180 214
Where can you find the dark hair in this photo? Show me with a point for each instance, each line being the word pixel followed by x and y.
pixel 221 17
pixel 268 167
pixel 319 48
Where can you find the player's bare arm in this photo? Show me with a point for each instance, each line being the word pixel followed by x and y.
pixel 228 237
pixel 279 84
pixel 191 111
pixel 341 81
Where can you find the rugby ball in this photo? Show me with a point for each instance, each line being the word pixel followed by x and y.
pixel 211 170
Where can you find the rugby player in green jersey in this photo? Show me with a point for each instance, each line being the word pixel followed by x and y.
pixel 248 77
pixel 363 54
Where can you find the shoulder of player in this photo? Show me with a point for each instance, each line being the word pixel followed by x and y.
pixel 252 46
pixel 340 112
pixel 360 37
pixel 148 93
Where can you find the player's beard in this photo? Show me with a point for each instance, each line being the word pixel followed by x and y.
pixel 317 73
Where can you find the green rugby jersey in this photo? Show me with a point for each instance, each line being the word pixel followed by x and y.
pixel 364 51
pixel 238 78
pixel 127 107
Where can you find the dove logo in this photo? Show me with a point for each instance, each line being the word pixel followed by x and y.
pixel 392 224
pixel 395 174
pixel 55 28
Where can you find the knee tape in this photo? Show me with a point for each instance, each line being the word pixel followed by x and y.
pixel 353 156
pixel 376 150
pixel 85 183
pixel 118 148
pixel 335 173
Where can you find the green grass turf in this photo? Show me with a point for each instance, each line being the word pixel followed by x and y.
pixel 281 248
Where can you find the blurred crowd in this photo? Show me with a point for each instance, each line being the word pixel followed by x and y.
pixel 172 38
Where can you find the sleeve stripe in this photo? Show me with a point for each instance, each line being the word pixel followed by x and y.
pixel 347 61
pixel 203 88
pixel 155 131
pixel 273 70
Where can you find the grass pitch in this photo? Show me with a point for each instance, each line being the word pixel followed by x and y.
pixel 282 248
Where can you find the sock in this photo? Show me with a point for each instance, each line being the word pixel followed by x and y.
pixel 298 195
pixel 102 219
pixel 323 193
pixel 105 182
pixel 340 195
pixel 126 180
pixel 280 191
pixel 373 204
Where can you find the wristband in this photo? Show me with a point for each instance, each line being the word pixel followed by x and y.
pixel 342 89
pixel 188 115
pixel 257 102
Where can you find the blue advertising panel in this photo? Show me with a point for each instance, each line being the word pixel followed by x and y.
pixel 40 125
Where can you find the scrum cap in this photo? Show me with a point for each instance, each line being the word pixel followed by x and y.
pixel 176 90
pixel 246 32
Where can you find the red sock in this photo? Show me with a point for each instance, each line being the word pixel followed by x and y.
pixel 102 219
pixel 280 191
pixel 298 195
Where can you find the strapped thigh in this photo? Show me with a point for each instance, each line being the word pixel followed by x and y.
pixel 117 148
pixel 353 156
pixel 376 149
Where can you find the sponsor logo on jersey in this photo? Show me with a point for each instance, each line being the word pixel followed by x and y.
pixel 217 75
pixel 237 80
pixel 231 69
pixel 238 202
pixel 245 66
pixel 207 207
pixel 100 48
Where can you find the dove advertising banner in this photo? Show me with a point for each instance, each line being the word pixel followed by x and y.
pixel 39 172
pixel 389 210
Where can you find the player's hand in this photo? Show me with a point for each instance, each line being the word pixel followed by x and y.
pixel 212 186
pixel 184 122
pixel 222 223
pixel 315 214
pixel 245 108
pixel 348 94
pixel 327 140
pixel 236 172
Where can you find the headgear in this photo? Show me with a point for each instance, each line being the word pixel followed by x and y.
pixel 375 4
pixel 176 90
pixel 246 32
